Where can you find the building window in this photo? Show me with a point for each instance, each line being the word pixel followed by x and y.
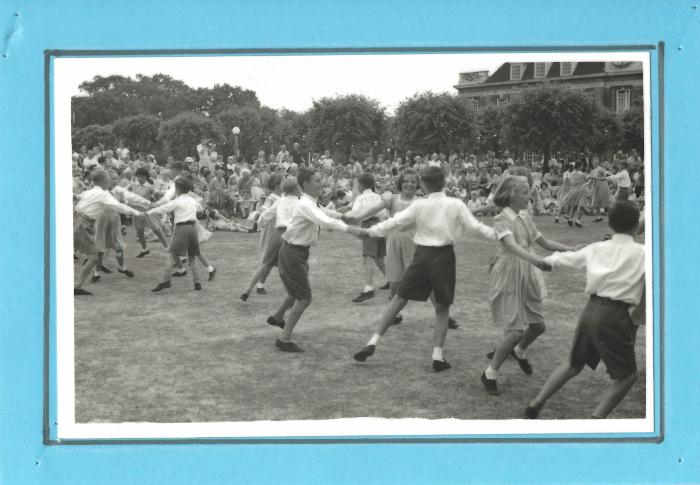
pixel 502 101
pixel 515 72
pixel 567 68
pixel 540 70
pixel 475 103
pixel 623 100
pixel 531 157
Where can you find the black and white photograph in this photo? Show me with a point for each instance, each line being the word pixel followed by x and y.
pixel 366 244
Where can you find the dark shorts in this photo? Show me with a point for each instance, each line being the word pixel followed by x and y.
pixel 373 247
pixel 623 193
pixel 293 265
pixel 272 247
pixel 605 331
pixel 431 270
pixel 185 241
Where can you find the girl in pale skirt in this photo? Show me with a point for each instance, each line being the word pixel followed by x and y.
pixel 517 285
pixel 602 196
pixel 574 201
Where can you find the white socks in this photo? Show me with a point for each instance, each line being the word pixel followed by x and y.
pixel 437 354
pixel 261 285
pixel 210 268
pixel 520 353
pixel 367 288
pixel 375 338
pixel 491 373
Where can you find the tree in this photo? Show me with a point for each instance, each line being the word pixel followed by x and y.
pixel 181 134
pixel 608 132
pixel 223 97
pixel 430 122
pixel 490 129
pixel 633 129
pixel 140 132
pixel 92 135
pixel 551 118
pixel 346 123
pixel 258 127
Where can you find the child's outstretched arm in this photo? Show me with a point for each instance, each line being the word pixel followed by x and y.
pixel 551 245
pixel 509 243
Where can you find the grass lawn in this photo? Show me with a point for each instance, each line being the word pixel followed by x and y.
pixel 186 356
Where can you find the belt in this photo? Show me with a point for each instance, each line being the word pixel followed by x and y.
pixel 89 219
pixel 609 302
pixel 295 246
pixel 185 223
pixel 282 228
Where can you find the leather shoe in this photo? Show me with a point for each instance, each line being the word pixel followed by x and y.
pixel 197 286
pixel 523 363
pixel 362 355
pixel 143 253
pixel 532 412
pixel 212 273
pixel 366 295
pixel 261 291
pixel 288 346
pixel 452 324
pixel 440 365
pixel 177 274
pixel 161 286
pixel 274 322
pixel 81 292
pixel 126 272
pixel 490 385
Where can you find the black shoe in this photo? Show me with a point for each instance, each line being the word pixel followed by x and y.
pixel 556 220
pixel 161 286
pixel 126 272
pixel 366 295
pixel 81 292
pixel 397 319
pixel 523 363
pixel 440 365
pixel 362 355
pixel 244 296
pixel 490 385
pixel 143 253
pixel 578 224
pixel 197 286
pixel 177 274
pixel 384 287
pixel 212 273
pixel 274 322
pixel 451 323
pixel 288 346
pixel 95 278
pixel 490 354
pixel 255 227
pixel 261 291
pixel 531 413
pixel 105 270
pixel 598 219
pixel 570 222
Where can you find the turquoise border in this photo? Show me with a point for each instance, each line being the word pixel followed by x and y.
pixel 208 24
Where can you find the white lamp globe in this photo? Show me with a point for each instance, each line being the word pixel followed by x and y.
pixel 236 130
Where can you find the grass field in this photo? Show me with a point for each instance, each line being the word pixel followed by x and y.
pixel 186 356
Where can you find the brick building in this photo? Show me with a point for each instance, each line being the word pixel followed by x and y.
pixel 616 85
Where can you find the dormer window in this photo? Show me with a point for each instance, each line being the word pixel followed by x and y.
pixel 567 68
pixel 540 70
pixel 516 72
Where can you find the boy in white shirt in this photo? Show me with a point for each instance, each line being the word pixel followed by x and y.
pixel 439 222
pixel 605 331
pixel 185 239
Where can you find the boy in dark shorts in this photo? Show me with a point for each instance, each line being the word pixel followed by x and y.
pixel 439 222
pixel 185 241
pixel 302 232
pixel 605 331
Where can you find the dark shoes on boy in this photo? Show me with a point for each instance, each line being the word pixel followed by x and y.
pixel 212 273
pixel 490 385
pixel 197 286
pixel 161 286
pixel 126 272
pixel 362 355
pixel 143 253
pixel 261 291
pixel 532 412
pixel 244 296
pixel 273 321
pixel 81 292
pixel 178 274
pixel 288 346
pixel 452 324
pixel 365 295
pixel 440 365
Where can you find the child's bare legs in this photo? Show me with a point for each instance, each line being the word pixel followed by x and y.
pixel 367 272
pixel 141 236
pixel 205 262
pixel 533 331
pixel 442 316
pixel 258 277
pixel 195 272
pixel 294 316
pixel 86 270
pixel 554 382
pixel 387 319
pixel 510 340
pixel 286 304
pixel 612 397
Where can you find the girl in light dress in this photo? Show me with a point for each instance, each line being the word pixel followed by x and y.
pixel 517 285
pixel 573 203
pixel 602 196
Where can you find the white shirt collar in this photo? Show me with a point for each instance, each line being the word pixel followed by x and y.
pixel 309 197
pixel 622 238
pixel 509 213
pixel 434 195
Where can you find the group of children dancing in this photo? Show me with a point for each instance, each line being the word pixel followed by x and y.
pixel 420 263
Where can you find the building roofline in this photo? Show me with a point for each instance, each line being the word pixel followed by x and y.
pixel 551 79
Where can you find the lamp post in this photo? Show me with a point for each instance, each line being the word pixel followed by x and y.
pixel 236 131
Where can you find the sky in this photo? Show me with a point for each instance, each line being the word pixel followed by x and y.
pixel 293 81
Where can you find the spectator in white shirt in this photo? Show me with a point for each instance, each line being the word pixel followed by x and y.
pixel 282 155
pixel 302 232
pixel 439 221
pixel 615 282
